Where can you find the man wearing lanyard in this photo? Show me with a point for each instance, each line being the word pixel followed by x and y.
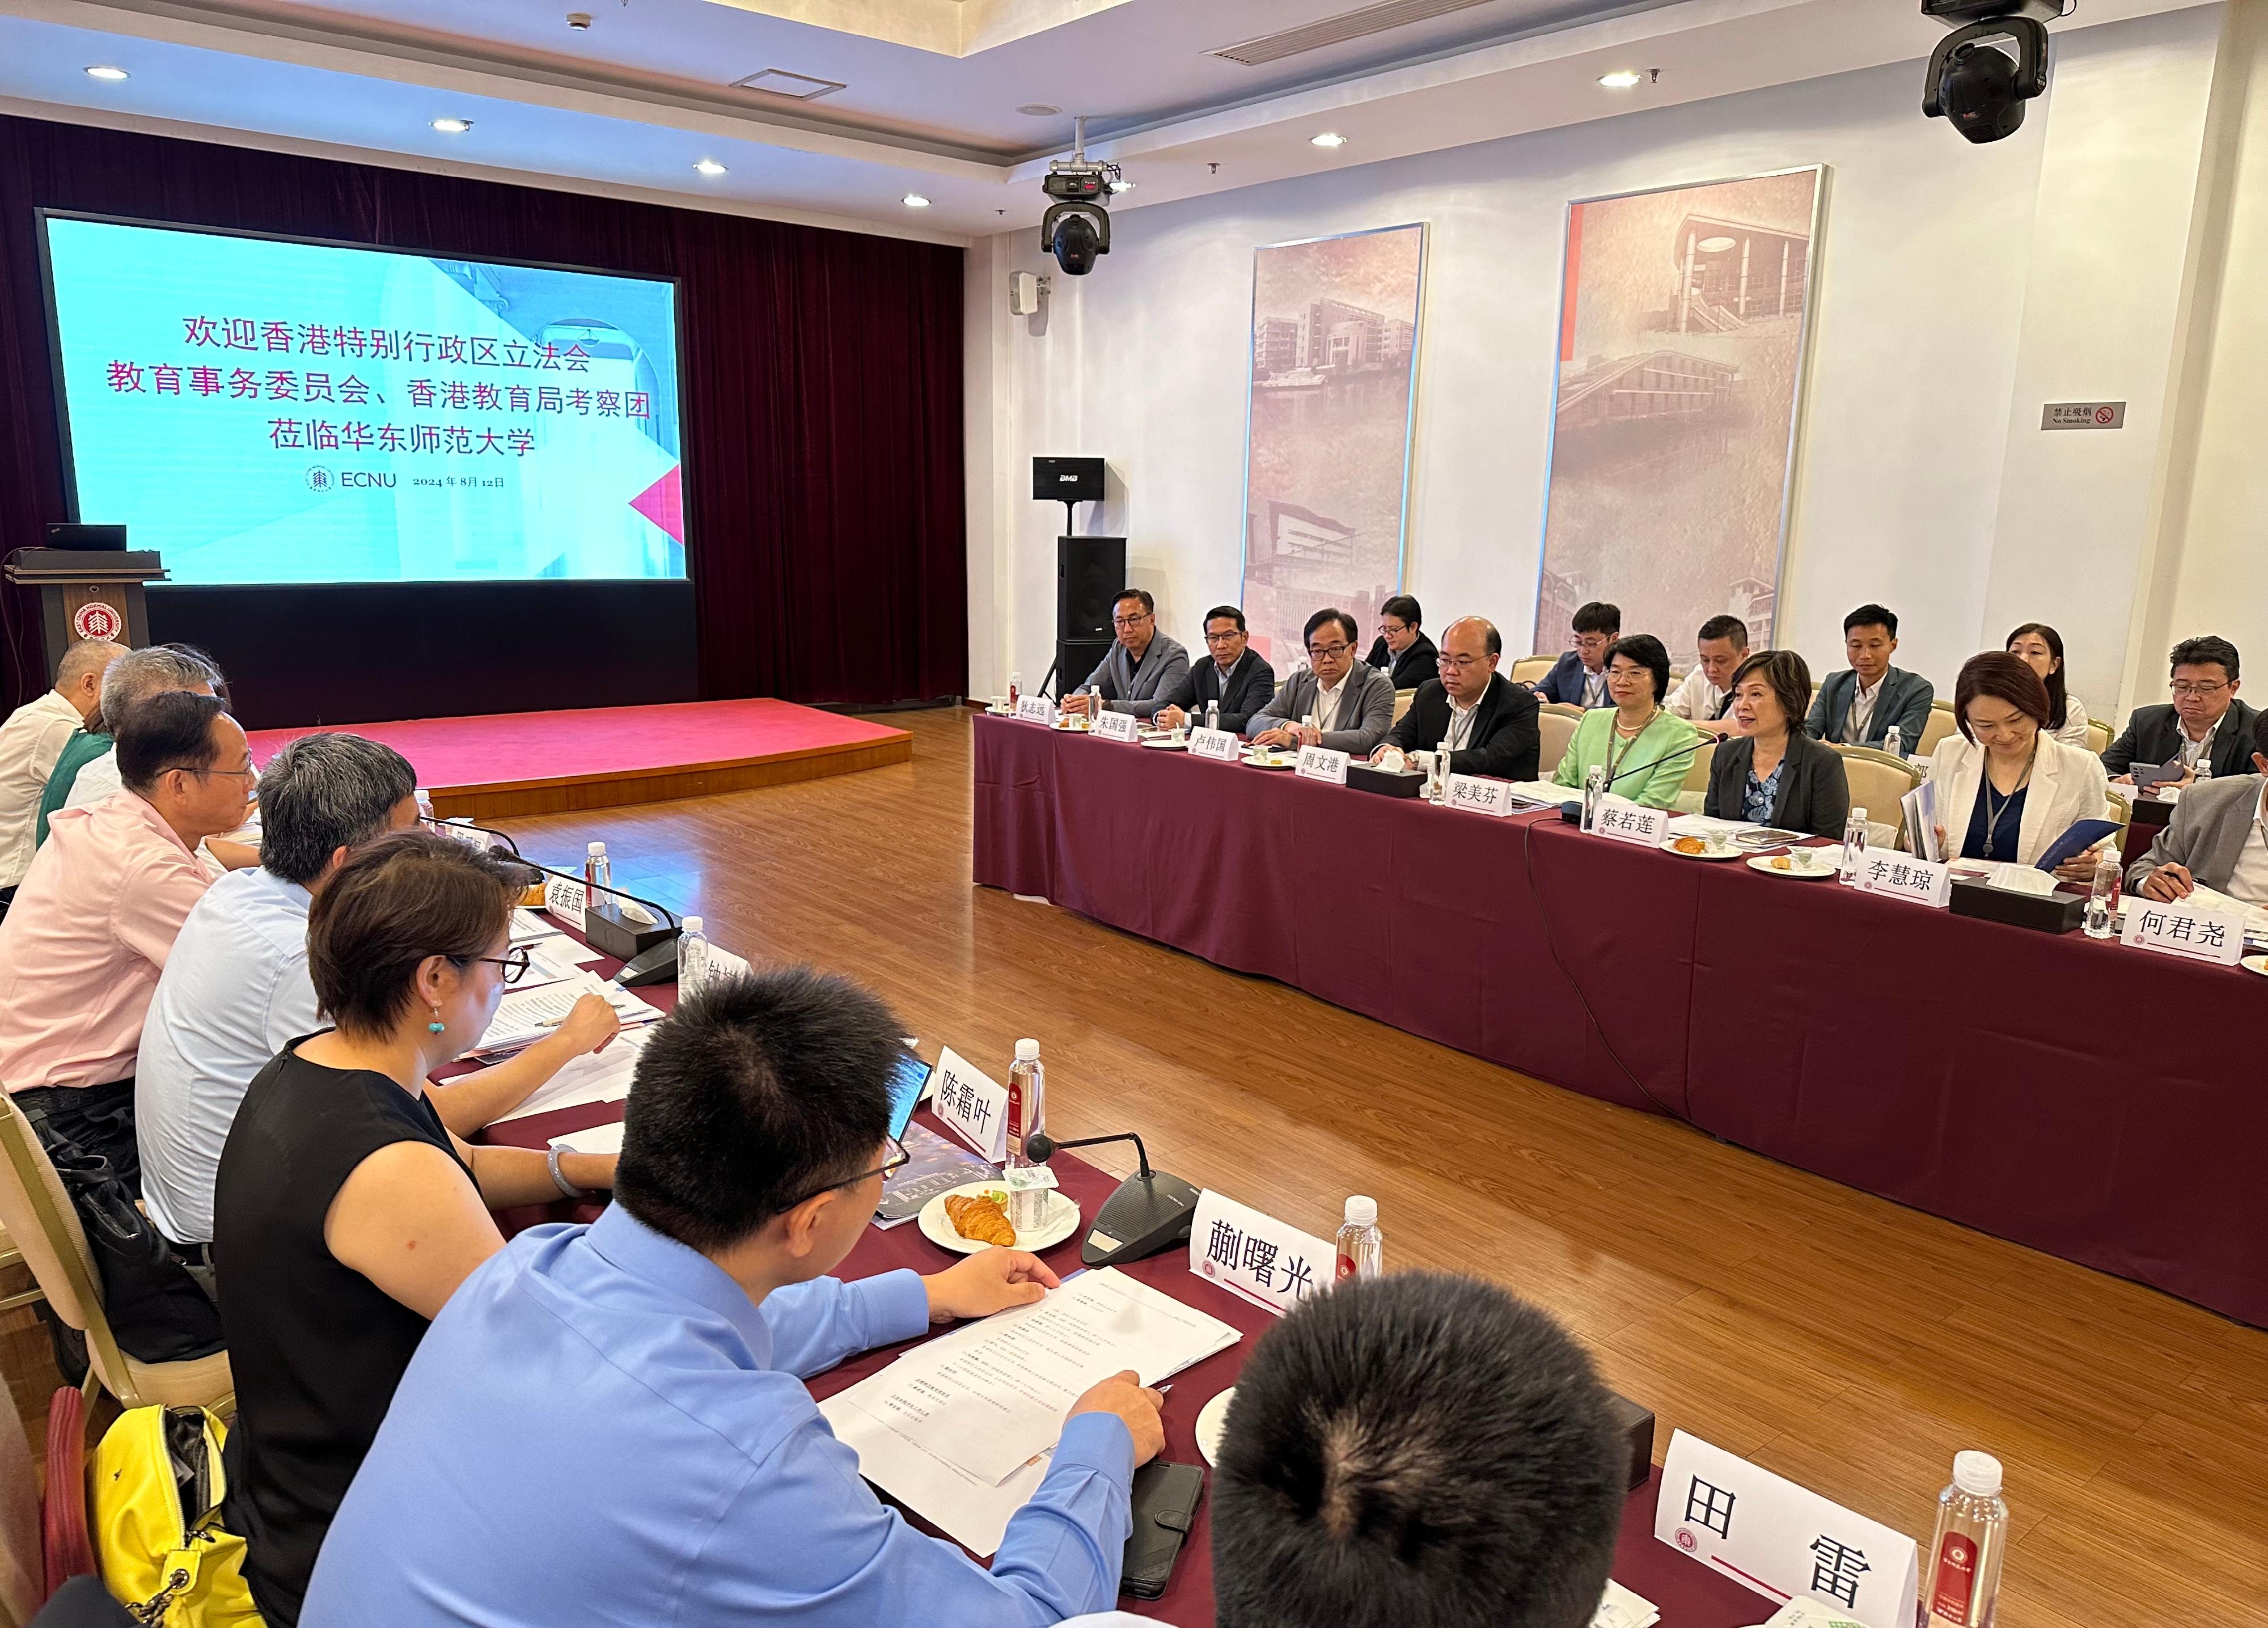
pixel 1579 676
pixel 1336 701
pixel 2205 728
pixel 1482 719
pixel 1861 704
pixel 2218 837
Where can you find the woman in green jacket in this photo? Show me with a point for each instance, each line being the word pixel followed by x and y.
pixel 1645 750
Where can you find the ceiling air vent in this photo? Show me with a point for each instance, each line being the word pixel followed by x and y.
pixel 796 87
pixel 1370 20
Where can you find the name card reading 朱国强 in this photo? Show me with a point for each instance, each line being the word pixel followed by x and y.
pixel 2186 930
pixel 1481 796
pixel 1035 709
pixel 1221 744
pixel 1319 762
pixel 1901 876
pixel 973 1104
pixel 564 899
pixel 1257 1255
pixel 1627 821
pixel 1108 726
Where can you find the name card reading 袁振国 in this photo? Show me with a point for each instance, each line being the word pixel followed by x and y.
pixel 1319 762
pixel 1220 744
pixel 1108 726
pixel 1480 795
pixel 1901 876
pixel 2189 931
pixel 564 899
pixel 1627 821
pixel 1035 709
pixel 1257 1255
pixel 973 1104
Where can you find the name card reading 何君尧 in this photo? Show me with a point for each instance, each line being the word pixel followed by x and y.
pixel 1219 744
pixel 1319 762
pixel 2188 931
pixel 565 900
pixel 1035 709
pixel 1627 821
pixel 1257 1255
pixel 1480 795
pixel 973 1104
pixel 1903 876
pixel 1108 726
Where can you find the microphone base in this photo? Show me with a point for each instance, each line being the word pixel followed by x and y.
pixel 1147 1215
pixel 657 963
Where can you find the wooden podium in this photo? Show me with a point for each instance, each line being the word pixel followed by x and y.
pixel 96 593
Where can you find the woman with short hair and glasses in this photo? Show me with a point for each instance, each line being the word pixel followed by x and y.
pixel 345 1214
pixel 1644 749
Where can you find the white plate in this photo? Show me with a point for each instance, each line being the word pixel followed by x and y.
pixel 1670 846
pixel 1286 762
pixel 1212 1420
pixel 1762 863
pixel 937 1226
pixel 1164 745
pixel 2256 963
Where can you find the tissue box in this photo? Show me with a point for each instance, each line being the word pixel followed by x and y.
pixel 1364 777
pixel 1636 1423
pixel 2055 913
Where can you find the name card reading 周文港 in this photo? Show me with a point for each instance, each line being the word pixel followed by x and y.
pixel 1319 763
pixel 1108 726
pixel 1219 744
pixel 1627 821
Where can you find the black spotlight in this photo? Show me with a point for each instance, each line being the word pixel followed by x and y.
pixel 1993 62
pixel 1077 237
pixel 1076 226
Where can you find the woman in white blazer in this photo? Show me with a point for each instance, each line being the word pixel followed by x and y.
pixel 2006 788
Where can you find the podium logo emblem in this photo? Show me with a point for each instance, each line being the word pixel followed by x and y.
pixel 96 620
pixel 319 479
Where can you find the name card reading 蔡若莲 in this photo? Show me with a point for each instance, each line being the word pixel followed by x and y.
pixel 1782 1540
pixel 1480 795
pixel 1627 821
pixel 1108 726
pixel 1035 709
pixel 1319 762
pixel 1220 744
pixel 1257 1255
pixel 1903 876
pixel 973 1104
pixel 565 900
pixel 2189 931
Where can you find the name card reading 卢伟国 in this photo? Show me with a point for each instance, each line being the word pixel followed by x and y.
pixel 1319 762
pixel 1215 744
pixel 2186 930
pixel 1257 1255
pixel 1108 726
pixel 1901 876
pixel 564 899
pixel 1627 821
pixel 1480 795
pixel 1780 1539
pixel 1035 709
pixel 970 1101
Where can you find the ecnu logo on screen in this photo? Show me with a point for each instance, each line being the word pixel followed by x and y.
pixel 322 480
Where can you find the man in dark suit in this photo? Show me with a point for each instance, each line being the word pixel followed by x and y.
pixel 1236 676
pixel 2218 839
pixel 1402 649
pixel 1579 679
pixel 2206 722
pixel 1485 721
pixel 1862 704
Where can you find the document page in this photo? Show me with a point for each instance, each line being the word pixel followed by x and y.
pixel 529 1014
pixel 594 1077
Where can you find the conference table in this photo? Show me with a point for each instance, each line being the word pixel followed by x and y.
pixel 2089 1100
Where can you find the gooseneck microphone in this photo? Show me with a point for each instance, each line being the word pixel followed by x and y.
pixel 648 951
pixel 1150 1212
pixel 1572 813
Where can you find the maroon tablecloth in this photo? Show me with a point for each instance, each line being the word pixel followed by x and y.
pixel 2100 1103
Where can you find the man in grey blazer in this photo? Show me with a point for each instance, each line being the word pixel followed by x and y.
pixel 1352 701
pixel 2218 838
pixel 1858 705
pixel 1145 669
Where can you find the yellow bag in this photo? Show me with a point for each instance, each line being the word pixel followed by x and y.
pixel 157 1488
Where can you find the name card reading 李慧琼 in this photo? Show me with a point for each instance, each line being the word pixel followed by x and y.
pixel 1627 821
pixel 973 1103
pixel 1219 744
pixel 2189 931
pixel 1035 709
pixel 1108 726
pixel 1480 795
pixel 1257 1256
pixel 1903 876
pixel 1319 762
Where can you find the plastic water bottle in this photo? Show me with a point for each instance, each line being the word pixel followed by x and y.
pixel 1961 1570
pixel 1594 787
pixel 1362 1246
pixel 1015 689
pixel 1213 715
pixel 1027 1116
pixel 1894 742
pixel 2102 894
pixel 2204 770
pixel 597 875
pixel 692 959
pixel 1854 845
pixel 426 805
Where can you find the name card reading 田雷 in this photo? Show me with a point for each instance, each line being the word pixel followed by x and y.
pixel 565 900
pixel 1627 821
pixel 1257 1255
pixel 2186 930
pixel 973 1104
pixel 1780 1539
pixel 1035 709
pixel 1319 762
pixel 1479 795
pixel 1114 726
pixel 1221 744
pixel 1901 876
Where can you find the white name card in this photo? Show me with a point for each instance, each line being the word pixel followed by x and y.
pixel 1215 744
pixel 2189 931
pixel 1482 796
pixel 973 1104
pixel 1782 1540
pixel 1319 762
pixel 460 828
pixel 1035 709
pixel 1901 876
pixel 1627 821
pixel 1107 725
pixel 1257 1255
pixel 565 900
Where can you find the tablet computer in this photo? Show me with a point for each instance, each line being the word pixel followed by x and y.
pixel 907 1081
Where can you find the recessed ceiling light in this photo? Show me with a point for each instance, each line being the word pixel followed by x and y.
pixel 1039 110
pixel 453 127
pixel 1621 79
pixel 1329 138
pixel 709 166
pixel 100 72
pixel 915 200
pixel 1122 186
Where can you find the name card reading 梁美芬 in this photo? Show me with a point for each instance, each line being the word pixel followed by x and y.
pixel 973 1103
pixel 1480 795
pixel 1219 744
pixel 1257 1255
pixel 1627 821
pixel 1319 762
pixel 1035 709
pixel 1108 726
pixel 2189 931
pixel 1903 876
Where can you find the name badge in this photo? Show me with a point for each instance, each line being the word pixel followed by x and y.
pixel 1482 796
pixel 1319 762
pixel 975 1106
pixel 2183 930
pixel 1256 1257
pixel 1215 744
pixel 1627 821
pixel 565 900
pixel 1114 726
pixel 1901 876
pixel 1035 709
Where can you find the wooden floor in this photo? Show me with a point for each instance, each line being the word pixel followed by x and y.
pixel 1834 1337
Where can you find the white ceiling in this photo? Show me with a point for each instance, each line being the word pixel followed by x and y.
pixel 931 86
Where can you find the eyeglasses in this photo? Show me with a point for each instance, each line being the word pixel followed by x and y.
pixel 1392 628
pixel 246 773
pixel 898 1160
pixel 1329 651
pixel 2184 688
pixel 1461 664
pixel 516 964
pixel 1229 638
pixel 1129 621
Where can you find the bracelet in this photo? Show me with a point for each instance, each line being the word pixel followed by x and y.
pixel 567 1188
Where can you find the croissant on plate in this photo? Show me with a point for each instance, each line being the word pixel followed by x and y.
pixel 981 1219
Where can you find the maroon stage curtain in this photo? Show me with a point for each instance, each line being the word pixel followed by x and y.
pixel 821 379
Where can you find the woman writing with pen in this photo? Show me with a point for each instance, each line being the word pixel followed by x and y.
pixel 1645 749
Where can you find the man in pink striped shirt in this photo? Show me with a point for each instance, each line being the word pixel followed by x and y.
pixel 81 948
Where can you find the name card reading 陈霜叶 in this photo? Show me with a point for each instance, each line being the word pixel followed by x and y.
pixel 2188 931
pixel 1035 709
pixel 973 1104
pixel 1257 1255
pixel 565 900
pixel 1319 762
pixel 1627 821
pixel 1480 795
pixel 1108 726
pixel 1903 876
pixel 1219 744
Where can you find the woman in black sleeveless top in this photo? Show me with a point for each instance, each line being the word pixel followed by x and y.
pixel 344 1212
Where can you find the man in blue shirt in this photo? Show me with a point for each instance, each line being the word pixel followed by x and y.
pixel 608 1424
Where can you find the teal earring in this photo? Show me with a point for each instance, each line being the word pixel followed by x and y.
pixel 436 1026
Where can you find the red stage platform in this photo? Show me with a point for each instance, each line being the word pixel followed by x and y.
pixel 547 762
